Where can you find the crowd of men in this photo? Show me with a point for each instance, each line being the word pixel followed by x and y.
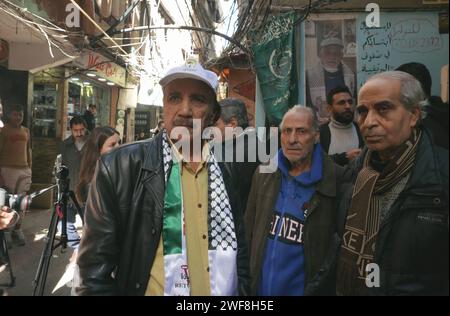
pixel 356 206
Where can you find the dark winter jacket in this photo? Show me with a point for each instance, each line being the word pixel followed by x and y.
pixel 123 221
pixel 437 121
pixel 412 247
pixel 90 120
pixel 71 158
pixel 320 225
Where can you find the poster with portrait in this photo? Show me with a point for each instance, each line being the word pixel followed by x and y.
pixel 330 48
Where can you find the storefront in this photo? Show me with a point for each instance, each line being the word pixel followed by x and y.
pixel 47 90
pixel 89 89
pixel 58 95
pixel 45 96
pixel 146 120
pixel 101 82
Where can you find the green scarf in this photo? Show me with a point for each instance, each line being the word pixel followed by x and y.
pixel 222 249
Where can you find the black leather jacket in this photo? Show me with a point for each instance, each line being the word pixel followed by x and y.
pixel 412 248
pixel 123 222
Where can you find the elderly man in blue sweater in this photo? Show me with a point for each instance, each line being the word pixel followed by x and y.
pixel 291 213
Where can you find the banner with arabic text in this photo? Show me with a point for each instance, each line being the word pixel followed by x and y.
pixel 275 64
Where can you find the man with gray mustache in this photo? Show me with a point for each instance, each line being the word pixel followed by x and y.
pixel 393 217
pixel 163 217
pixel 291 214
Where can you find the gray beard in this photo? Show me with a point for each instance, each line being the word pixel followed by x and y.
pixel 329 69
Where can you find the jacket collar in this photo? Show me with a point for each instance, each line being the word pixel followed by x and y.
pixel 307 178
pixel 153 154
pixel 69 140
pixel 425 169
pixel 327 185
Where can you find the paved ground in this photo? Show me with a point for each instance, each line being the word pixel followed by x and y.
pixel 25 259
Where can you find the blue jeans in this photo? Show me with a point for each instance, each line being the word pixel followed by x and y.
pixel 72 234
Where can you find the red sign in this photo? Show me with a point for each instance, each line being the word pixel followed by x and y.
pixel 103 67
pixel 106 67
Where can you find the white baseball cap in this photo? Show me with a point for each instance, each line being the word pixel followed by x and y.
pixel 191 70
pixel 331 41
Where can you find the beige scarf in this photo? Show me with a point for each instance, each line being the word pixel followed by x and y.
pixel 363 218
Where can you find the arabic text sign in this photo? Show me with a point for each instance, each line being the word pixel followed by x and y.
pixel 407 35
pixel 375 52
pixel 401 38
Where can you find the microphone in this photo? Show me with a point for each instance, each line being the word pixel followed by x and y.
pixel 20 202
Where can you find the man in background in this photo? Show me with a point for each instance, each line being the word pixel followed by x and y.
pixel 328 74
pixel 158 128
pixel 89 117
pixel 436 119
pixel 15 161
pixel 242 140
pixel 341 138
pixel 72 152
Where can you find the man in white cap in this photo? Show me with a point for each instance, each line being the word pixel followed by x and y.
pixel 330 72
pixel 163 219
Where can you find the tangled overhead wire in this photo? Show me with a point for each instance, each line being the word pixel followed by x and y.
pixel 53 34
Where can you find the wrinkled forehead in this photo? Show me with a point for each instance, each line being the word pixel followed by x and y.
pixel 296 120
pixel 331 49
pixel 379 89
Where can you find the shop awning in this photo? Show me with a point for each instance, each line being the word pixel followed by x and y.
pixel 102 67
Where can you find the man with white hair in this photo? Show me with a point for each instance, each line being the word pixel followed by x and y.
pixel 330 72
pixel 291 214
pixel 393 218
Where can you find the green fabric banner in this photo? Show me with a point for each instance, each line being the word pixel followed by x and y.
pixel 275 64
pixel 173 212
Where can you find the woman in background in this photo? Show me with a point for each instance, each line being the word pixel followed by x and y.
pixel 101 141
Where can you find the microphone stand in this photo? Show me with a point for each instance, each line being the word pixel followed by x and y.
pixel 22 203
pixel 59 214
